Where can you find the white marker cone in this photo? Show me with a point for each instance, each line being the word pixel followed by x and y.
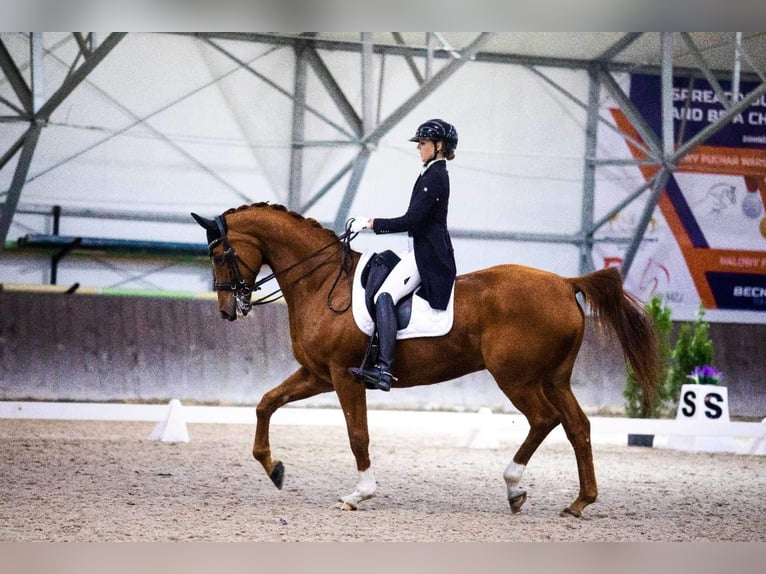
pixel 173 428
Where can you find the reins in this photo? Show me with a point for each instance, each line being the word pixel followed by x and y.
pixel 243 291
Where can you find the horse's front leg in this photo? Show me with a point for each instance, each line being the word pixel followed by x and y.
pixel 353 401
pixel 302 384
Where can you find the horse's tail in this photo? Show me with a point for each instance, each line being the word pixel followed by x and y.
pixel 624 313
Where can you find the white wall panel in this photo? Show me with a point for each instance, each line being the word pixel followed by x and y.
pixel 215 136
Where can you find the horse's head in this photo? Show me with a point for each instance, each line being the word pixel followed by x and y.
pixel 236 261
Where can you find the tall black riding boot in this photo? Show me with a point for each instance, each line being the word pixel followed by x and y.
pixel 379 376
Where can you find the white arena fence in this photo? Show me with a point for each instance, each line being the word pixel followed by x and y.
pixel 482 429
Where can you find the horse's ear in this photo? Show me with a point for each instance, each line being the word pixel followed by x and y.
pixel 208 224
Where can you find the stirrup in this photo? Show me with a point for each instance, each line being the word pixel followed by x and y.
pixel 374 378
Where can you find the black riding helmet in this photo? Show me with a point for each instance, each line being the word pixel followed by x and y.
pixel 437 130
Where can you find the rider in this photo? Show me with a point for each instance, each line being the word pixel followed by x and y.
pixel 431 262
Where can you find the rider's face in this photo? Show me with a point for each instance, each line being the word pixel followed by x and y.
pixel 426 149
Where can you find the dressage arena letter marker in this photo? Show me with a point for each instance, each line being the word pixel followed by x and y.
pixel 707 404
pixel 173 428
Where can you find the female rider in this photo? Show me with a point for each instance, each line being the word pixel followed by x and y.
pixel 430 264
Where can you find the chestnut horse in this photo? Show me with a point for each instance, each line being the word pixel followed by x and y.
pixel 523 325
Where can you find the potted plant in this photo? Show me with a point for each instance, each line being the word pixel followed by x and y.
pixel 636 404
pixel 691 378
pixel 691 358
pixel 705 375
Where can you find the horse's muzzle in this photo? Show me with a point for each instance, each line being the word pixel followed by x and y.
pixel 227 306
pixel 229 316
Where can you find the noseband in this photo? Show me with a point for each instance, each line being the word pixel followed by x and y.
pixel 243 292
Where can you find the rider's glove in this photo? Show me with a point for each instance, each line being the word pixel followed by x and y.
pixel 358 223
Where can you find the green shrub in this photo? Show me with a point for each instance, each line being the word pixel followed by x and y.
pixel 693 348
pixel 635 406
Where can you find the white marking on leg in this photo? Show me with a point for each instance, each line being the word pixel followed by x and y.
pixel 512 476
pixel 365 489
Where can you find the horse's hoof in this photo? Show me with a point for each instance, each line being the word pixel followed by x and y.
pixel 517 501
pixel 569 512
pixel 277 475
pixel 342 505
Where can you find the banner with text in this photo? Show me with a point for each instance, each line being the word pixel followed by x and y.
pixel 707 239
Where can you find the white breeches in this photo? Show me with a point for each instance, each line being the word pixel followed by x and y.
pixel 403 279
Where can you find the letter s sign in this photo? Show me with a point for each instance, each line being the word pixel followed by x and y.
pixel 689 407
pixel 713 408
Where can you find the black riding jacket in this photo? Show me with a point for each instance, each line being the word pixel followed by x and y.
pixel 426 222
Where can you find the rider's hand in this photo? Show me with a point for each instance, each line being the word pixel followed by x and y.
pixel 358 223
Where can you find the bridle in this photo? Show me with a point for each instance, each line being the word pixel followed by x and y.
pixel 243 292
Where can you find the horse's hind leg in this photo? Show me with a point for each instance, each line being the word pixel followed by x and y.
pixel 542 418
pixel 300 385
pixel 577 428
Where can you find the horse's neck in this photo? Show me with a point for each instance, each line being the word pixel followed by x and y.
pixel 300 254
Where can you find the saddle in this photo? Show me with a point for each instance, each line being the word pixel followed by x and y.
pixel 415 317
pixel 374 273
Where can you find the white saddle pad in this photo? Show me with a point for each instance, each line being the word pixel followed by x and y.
pixel 424 322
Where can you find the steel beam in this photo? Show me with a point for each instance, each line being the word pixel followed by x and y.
pixel 743 53
pixel 37 70
pixel 40 112
pixel 368 82
pixel 620 206
pixel 722 121
pixel 82 43
pixel 362 159
pixel 15 79
pixel 666 97
pixel 409 59
pixel 277 87
pixel 359 166
pixel 569 239
pixel 17 183
pixel 334 90
pixel 666 105
pixel 687 105
pixel 15 147
pixel 646 217
pixel 702 65
pixel 618 47
pixel 340 174
pixel 381 85
pixel 144 120
pixel 639 144
pixel 635 117
pixel 298 129
pixel 90 213
pixel 386 125
pixel 421 51
pixel 78 76
pixel 429 55
pixel 737 69
pixel 589 173
pixel 428 88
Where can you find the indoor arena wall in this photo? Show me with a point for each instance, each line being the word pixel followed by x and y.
pixel 141 349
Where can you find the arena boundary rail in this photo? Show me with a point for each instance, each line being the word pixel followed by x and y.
pixel 481 429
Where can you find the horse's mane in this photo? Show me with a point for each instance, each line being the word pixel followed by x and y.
pixel 309 221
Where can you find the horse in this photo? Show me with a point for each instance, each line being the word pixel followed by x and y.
pixel 523 325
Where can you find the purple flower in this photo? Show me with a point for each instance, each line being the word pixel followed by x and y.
pixel 705 375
